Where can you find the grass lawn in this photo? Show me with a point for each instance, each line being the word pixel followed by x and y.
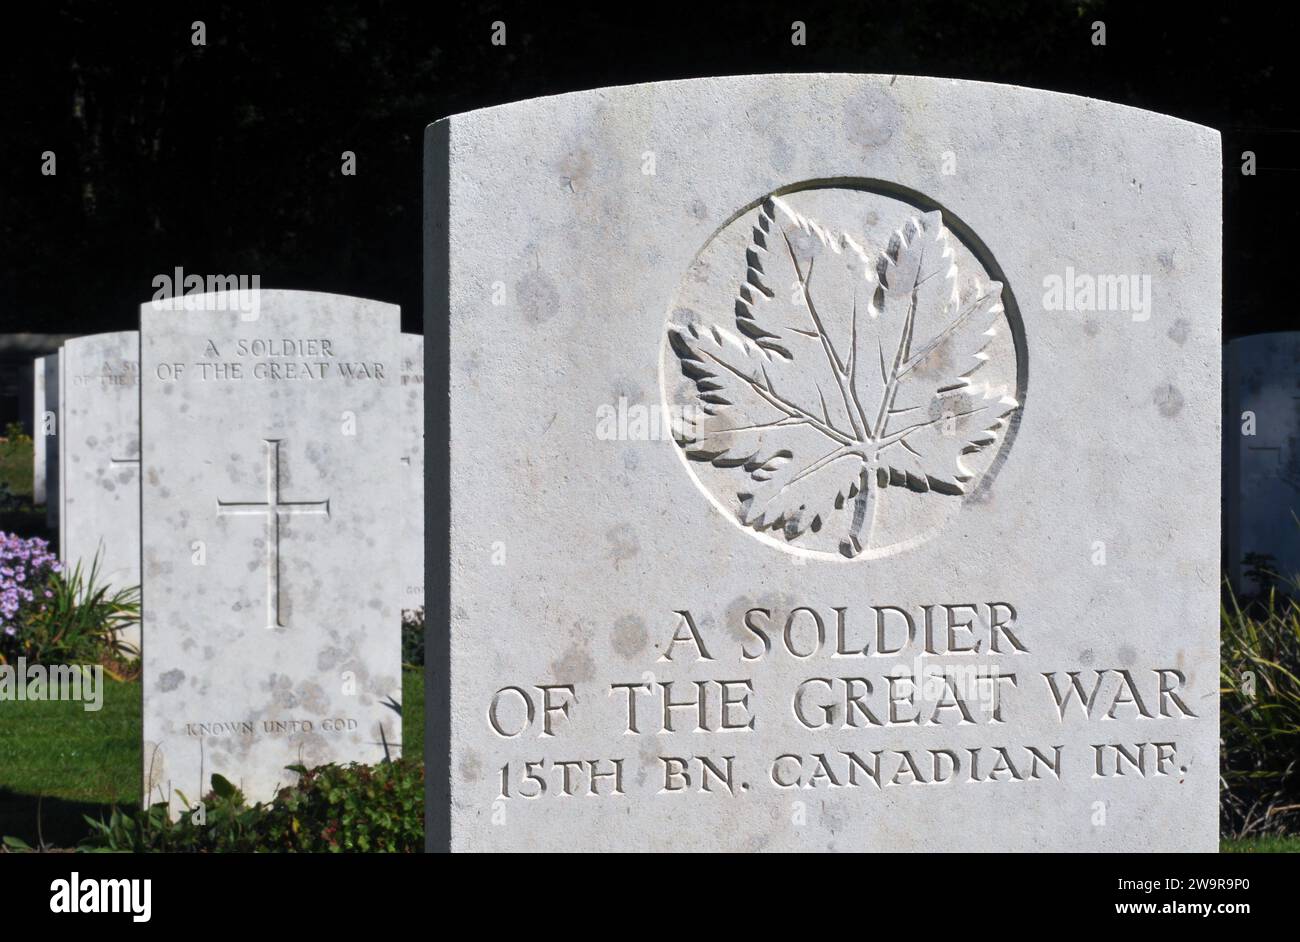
pixel 413 712
pixel 58 762
pixel 16 474
pixel 16 467
pixel 1261 845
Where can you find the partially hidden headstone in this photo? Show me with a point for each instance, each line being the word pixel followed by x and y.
pixel 412 518
pixel 834 465
pixel 38 431
pixel 271 480
pixel 52 432
pixel 1262 445
pixel 101 456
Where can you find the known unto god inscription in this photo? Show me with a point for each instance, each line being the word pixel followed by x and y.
pixel 270 482
pixel 789 508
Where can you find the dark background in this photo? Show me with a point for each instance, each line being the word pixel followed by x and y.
pixel 225 159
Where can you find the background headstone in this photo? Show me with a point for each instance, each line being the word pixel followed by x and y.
pixel 1262 444
pixel 101 456
pixel 412 519
pixel 882 320
pixel 38 431
pixel 271 480
pixel 53 452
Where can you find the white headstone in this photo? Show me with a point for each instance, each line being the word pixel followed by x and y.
pixel 38 431
pixel 834 466
pixel 412 518
pixel 101 456
pixel 271 477
pixel 53 453
pixel 1262 442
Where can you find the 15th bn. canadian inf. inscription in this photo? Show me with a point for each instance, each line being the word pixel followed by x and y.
pixel 935 665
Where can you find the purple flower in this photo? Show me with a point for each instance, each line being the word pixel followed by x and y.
pixel 25 568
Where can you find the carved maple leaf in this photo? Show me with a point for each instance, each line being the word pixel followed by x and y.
pixel 844 374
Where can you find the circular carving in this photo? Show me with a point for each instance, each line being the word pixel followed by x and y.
pixel 841 370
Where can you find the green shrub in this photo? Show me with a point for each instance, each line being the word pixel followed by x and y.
pixel 81 622
pixel 330 809
pixel 349 808
pixel 413 637
pixel 1260 715
pixel 225 824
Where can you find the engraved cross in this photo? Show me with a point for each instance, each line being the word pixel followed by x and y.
pixel 273 508
pixel 118 462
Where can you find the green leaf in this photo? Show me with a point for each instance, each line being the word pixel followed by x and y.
pixel 222 787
